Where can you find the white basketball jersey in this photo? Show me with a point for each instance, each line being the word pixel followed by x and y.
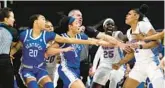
pixel 110 55
pixel 107 56
pixel 51 61
pixel 142 55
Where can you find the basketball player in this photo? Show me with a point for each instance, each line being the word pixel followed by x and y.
pixel 107 56
pixel 51 59
pixel 70 61
pixel 92 32
pixel 153 37
pixel 145 65
pixel 34 42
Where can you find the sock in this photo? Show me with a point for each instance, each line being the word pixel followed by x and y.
pixel 48 85
pixel 32 84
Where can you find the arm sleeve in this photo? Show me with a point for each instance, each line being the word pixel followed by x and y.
pixel 91 31
pixel 96 58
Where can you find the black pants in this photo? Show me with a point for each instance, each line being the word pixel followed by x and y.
pixel 84 69
pixel 6 72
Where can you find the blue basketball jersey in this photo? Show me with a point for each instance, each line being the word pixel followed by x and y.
pixel 34 48
pixel 72 58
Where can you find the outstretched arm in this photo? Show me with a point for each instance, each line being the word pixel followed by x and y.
pixel 114 41
pixel 54 49
pixel 155 36
pixel 73 40
pixel 150 44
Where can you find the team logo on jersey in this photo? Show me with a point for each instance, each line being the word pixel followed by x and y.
pixel 27 75
pixel 29 45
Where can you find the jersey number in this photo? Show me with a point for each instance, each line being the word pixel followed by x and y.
pixel 108 54
pixel 33 53
pixel 51 59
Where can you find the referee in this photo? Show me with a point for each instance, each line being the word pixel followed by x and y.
pixel 7 36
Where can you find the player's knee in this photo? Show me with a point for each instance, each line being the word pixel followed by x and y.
pixel 28 80
pixel 44 80
pixel 130 85
pixel 78 84
pixel 127 86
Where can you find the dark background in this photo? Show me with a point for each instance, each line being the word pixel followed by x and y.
pixel 93 11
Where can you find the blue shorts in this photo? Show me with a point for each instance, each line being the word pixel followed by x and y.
pixel 141 85
pixel 148 83
pixel 68 75
pixel 36 72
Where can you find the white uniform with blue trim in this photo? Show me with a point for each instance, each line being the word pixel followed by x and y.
pixel 146 59
pixel 104 72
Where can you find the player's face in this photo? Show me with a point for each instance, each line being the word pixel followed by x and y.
pixel 49 26
pixel 10 20
pixel 41 22
pixel 78 16
pixel 75 27
pixel 131 17
pixel 109 27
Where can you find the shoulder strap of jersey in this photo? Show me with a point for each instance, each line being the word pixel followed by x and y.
pixel 63 35
pixel 44 37
pixel 27 33
pixel 78 36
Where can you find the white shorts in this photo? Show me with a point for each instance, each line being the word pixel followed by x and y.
pixel 141 71
pixel 51 71
pixel 103 74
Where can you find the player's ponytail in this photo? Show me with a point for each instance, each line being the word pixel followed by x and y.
pixel 144 9
pixel 63 24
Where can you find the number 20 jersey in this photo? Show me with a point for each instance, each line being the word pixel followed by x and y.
pixel 34 48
